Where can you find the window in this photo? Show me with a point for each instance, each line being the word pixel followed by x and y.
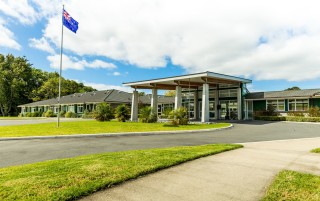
pixel 80 109
pixel 277 104
pixel 56 110
pixel 228 93
pixel 298 104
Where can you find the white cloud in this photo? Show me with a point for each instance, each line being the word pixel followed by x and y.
pixel 107 87
pixel 41 44
pixel 116 73
pixel 20 10
pixel 76 64
pixel 7 37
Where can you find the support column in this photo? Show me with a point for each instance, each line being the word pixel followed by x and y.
pixel 154 101
pixel 205 103
pixel 134 106
pixel 239 98
pixel 178 99
pixel 216 101
pixel 196 105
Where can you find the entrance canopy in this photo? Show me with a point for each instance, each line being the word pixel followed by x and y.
pixel 188 81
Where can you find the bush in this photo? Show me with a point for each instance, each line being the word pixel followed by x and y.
pixel 295 114
pixel 179 116
pixel 28 114
pixel 314 112
pixel 103 112
pixel 70 114
pixel 146 116
pixel 122 113
pixel 87 114
pixel 62 113
pixel 288 118
pixel 49 113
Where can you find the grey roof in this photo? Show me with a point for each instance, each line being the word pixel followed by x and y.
pixel 109 96
pixel 284 94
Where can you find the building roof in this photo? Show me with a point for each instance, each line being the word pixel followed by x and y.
pixel 284 94
pixel 190 80
pixel 109 96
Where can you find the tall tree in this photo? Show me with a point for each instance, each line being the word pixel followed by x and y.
pixel 15 83
pixel 170 93
pixel 292 88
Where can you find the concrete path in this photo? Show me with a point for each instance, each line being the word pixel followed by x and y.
pixel 241 174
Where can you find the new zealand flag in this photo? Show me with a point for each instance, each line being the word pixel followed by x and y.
pixel 69 22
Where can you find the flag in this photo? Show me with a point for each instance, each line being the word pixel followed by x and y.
pixel 69 22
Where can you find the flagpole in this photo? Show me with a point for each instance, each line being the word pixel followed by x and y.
pixel 60 72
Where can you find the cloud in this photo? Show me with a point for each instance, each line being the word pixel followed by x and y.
pixel 76 64
pixel 116 73
pixel 41 44
pixel 21 10
pixel 7 37
pixel 107 87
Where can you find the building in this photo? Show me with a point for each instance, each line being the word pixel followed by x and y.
pixel 79 102
pixel 283 101
pixel 206 95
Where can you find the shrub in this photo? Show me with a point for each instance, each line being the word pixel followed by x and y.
pixel 62 113
pixel 314 112
pixel 295 114
pixel 288 118
pixel 146 116
pixel 70 114
pixel 122 113
pixel 28 114
pixel 87 114
pixel 179 116
pixel 49 113
pixel 103 112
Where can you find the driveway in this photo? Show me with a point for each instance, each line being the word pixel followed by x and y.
pixel 10 122
pixel 17 152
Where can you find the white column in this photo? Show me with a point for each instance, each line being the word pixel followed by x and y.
pixel 154 101
pixel 177 100
pixel 205 103
pixel 196 106
pixel 216 101
pixel 239 96
pixel 134 106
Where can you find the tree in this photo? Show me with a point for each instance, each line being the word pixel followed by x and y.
pixel 170 93
pixel 15 83
pixel 122 113
pixel 292 88
pixel 141 93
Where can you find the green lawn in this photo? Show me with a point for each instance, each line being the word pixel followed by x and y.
pixel 91 127
pixel 316 150
pixel 68 179
pixel 291 185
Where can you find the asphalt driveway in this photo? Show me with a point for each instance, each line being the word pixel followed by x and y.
pixel 17 152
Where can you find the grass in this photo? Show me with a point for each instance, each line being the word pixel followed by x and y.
pixel 291 185
pixel 68 179
pixel 317 150
pixel 92 127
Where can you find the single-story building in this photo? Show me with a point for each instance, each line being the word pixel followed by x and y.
pixel 283 101
pixel 206 95
pixel 79 102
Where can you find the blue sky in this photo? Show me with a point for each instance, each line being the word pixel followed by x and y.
pixel 123 41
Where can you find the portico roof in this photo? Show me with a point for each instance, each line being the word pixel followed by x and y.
pixel 187 81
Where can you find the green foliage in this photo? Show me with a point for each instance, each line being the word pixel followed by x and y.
pixel 73 178
pixel 62 113
pixel 103 112
pixel 171 93
pixel 70 114
pixel 270 111
pixel 122 113
pixel 295 114
pixel 49 113
pixel 317 150
pixel 36 114
pixel 87 114
pixel 314 112
pixel 287 118
pixel 179 116
pixel 292 88
pixel 146 116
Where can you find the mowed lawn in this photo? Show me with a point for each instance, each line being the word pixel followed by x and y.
pixel 94 127
pixel 68 179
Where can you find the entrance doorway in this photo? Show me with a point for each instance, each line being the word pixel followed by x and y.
pixel 229 109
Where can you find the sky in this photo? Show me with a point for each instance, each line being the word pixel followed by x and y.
pixel 274 43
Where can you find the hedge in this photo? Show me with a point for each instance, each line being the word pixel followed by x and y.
pixel 287 118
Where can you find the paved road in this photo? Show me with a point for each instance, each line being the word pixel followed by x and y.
pixel 28 151
pixel 239 175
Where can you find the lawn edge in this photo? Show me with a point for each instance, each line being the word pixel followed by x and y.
pixel 115 134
